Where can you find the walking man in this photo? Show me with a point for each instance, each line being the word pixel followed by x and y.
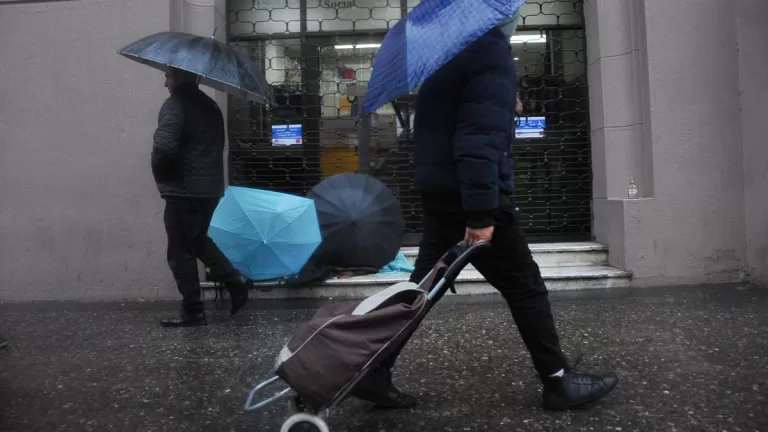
pixel 188 166
pixel 464 126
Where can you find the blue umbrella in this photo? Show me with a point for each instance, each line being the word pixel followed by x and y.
pixel 431 35
pixel 266 235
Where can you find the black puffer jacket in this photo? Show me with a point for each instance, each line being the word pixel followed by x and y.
pixel 188 151
pixel 465 115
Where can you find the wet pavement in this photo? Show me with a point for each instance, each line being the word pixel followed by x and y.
pixel 690 359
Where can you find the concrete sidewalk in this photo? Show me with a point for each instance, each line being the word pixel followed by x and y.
pixel 690 359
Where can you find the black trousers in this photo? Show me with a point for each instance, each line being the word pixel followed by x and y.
pixel 186 223
pixel 509 267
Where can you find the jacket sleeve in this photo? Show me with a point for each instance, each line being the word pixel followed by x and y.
pixel 167 140
pixel 484 128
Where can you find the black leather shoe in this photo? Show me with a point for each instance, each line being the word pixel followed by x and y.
pixel 377 388
pixel 185 319
pixel 575 389
pixel 238 293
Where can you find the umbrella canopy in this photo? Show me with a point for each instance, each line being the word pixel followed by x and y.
pixel 431 35
pixel 361 221
pixel 266 235
pixel 219 66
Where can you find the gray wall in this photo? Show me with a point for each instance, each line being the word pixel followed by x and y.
pixel 751 19
pixel 667 110
pixel 80 215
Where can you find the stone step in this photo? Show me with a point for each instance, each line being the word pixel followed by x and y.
pixel 469 282
pixel 581 254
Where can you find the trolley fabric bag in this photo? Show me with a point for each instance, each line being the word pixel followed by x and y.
pixel 342 340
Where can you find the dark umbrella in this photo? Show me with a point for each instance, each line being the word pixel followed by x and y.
pixel 219 66
pixel 360 220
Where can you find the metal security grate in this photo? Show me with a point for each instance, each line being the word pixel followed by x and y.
pixel 318 55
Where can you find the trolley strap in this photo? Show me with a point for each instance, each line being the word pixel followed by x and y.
pixel 375 301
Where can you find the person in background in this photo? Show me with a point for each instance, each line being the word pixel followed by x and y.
pixel 188 166
pixel 464 127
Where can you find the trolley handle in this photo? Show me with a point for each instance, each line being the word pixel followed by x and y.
pixel 459 256
pixel 452 263
pixel 285 394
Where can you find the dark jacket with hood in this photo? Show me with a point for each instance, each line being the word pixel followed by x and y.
pixel 188 150
pixel 464 125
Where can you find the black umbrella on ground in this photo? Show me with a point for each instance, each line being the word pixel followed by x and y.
pixel 360 219
pixel 219 65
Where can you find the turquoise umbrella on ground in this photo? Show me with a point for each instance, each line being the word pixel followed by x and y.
pixel 266 235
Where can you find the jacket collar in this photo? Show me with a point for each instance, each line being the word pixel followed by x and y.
pixel 185 88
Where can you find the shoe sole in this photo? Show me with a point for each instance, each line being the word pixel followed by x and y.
pixel 382 404
pixel 580 405
pixel 3 344
pixel 388 407
pixel 393 407
pixel 168 325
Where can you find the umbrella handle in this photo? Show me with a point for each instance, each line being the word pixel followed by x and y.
pixel 398 113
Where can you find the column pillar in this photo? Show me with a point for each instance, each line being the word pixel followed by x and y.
pixel 619 113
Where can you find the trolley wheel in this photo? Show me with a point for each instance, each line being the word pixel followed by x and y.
pixel 304 422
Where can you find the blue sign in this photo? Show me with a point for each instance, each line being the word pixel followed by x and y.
pixel 287 135
pixel 530 127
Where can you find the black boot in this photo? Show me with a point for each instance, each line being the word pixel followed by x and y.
pixel 185 319
pixel 378 389
pixel 575 389
pixel 238 292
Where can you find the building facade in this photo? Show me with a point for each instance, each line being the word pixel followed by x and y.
pixel 318 57
pixel 668 94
